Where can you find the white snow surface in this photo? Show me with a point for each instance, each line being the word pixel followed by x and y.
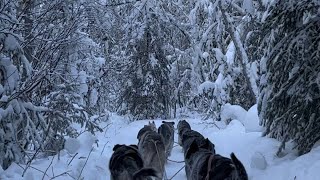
pixel 83 163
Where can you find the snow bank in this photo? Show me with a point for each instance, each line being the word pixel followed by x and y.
pixel 72 145
pixel 248 118
pixel 230 112
pixel 251 120
pixel 258 161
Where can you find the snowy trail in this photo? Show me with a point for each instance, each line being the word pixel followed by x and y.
pixel 93 165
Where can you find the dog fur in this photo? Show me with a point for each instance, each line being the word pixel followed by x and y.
pixel 166 130
pixel 152 149
pixel 188 137
pixel 203 164
pixel 126 164
pixel 182 127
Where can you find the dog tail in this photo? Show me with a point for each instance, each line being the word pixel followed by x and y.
pixel 145 172
pixel 242 173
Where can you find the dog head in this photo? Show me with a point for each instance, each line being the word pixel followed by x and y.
pixel 183 124
pixel 117 146
pixel 145 129
pixel 188 133
pixel 227 169
pixel 207 144
pixel 153 125
pixel 124 153
pixel 126 163
pixel 169 124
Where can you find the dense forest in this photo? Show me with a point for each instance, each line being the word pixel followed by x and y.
pixel 65 62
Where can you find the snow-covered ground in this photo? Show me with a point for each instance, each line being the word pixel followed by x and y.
pixel 85 159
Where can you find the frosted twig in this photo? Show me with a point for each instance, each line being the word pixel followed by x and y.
pixel 52 171
pixel 64 173
pixel 122 3
pixel 85 163
pixel 104 147
pixel 175 161
pixel 177 172
pixel 72 158
pixel 45 172
pixel 30 160
pixel 34 169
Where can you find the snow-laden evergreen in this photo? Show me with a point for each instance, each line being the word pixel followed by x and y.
pixel 289 100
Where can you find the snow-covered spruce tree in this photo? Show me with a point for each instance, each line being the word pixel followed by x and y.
pixel 290 89
pixel 117 50
pixel 74 61
pixel 244 91
pixel 213 95
pixel 40 100
pixel 202 66
pixel 178 50
pixel 146 90
pixel 146 94
pixel 219 56
pixel 21 123
pixel 180 79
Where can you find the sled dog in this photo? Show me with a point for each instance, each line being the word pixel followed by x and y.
pixel 126 164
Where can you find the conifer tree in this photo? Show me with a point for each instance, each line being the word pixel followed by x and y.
pixel 290 90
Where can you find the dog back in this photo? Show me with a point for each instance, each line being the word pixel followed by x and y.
pixel 202 163
pixel 195 160
pixel 126 164
pixel 152 149
pixel 166 130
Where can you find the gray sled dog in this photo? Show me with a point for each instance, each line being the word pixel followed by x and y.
pixel 200 143
pixel 188 137
pixel 166 130
pixel 191 135
pixel 182 127
pixel 202 164
pixel 152 149
pixel 126 164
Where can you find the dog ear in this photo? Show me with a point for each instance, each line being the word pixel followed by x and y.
pixel 207 142
pixel 192 149
pixel 163 122
pixel 115 147
pixel 152 123
pixel 134 146
pixel 171 123
pixel 241 171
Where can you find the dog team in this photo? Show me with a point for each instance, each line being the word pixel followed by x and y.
pixel 147 160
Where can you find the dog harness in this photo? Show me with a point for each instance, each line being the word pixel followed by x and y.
pixel 211 158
